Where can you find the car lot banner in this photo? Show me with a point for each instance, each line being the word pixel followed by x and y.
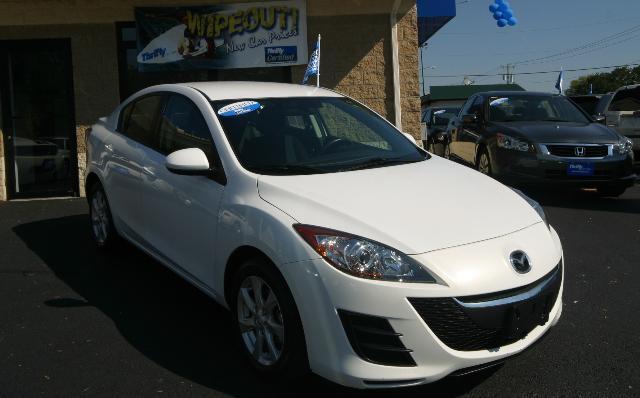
pixel 240 35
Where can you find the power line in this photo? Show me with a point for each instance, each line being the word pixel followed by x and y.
pixel 537 73
pixel 598 44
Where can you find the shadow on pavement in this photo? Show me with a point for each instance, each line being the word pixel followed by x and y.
pixel 166 319
pixel 629 202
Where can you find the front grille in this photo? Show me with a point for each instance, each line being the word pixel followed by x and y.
pixel 569 151
pixel 374 340
pixel 464 324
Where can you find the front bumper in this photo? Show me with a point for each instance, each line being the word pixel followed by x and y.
pixel 321 291
pixel 521 168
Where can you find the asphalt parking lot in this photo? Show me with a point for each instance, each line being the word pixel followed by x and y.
pixel 74 322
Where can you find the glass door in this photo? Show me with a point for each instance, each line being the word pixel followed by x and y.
pixel 38 118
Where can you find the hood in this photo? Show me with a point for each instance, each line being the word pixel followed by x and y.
pixel 415 208
pixel 552 132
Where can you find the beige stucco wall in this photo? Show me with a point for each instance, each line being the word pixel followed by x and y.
pixel 356 52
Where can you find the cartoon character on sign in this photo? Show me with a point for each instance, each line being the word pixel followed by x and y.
pixel 503 14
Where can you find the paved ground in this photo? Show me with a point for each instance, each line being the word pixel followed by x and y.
pixel 73 322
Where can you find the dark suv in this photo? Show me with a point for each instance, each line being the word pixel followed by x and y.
pixel 533 138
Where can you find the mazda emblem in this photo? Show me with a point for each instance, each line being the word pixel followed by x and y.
pixel 580 151
pixel 520 261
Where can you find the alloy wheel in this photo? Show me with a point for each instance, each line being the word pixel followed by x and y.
pixel 99 217
pixel 260 320
pixel 483 164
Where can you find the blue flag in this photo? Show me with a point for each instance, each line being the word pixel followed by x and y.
pixel 313 68
pixel 560 82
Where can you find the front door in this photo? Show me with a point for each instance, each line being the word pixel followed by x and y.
pixel 38 124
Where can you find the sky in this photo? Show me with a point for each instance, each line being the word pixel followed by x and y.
pixel 471 43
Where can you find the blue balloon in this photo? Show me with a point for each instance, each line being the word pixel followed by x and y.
pixel 506 14
pixel 493 7
pixel 504 4
pixel 512 21
pixel 499 1
pixel 497 15
pixel 502 23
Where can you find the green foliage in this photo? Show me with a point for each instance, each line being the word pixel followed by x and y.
pixel 606 82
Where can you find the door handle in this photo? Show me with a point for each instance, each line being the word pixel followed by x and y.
pixel 109 147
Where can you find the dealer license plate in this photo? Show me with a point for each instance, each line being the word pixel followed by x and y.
pixel 580 169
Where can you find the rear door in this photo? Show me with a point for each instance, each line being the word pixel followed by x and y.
pixel 180 212
pixel 126 161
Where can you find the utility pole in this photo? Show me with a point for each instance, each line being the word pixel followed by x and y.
pixel 508 76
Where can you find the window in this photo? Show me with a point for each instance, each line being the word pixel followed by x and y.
pixel 140 123
pixel 343 125
pixel 313 135
pixel 467 106
pixel 476 107
pixel 534 108
pixel 626 100
pixel 183 126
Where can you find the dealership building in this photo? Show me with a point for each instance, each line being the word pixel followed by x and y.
pixel 65 63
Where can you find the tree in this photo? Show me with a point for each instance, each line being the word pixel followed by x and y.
pixel 605 82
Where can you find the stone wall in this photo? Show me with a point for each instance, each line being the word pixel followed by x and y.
pixel 3 183
pixel 409 74
pixel 356 61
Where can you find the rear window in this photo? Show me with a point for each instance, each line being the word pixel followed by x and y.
pixel 626 100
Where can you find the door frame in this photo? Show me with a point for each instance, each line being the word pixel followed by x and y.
pixel 6 122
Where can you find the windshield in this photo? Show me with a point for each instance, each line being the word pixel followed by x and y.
pixel 534 108
pixel 441 116
pixel 311 135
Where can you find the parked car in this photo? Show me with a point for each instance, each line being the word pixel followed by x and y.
pixel 540 139
pixel 37 160
pixel 436 120
pixel 622 113
pixel 297 208
pixel 592 104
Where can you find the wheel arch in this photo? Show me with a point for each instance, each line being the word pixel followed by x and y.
pixel 235 260
pixel 91 180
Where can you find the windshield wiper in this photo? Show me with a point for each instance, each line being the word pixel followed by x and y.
pixel 286 169
pixel 376 162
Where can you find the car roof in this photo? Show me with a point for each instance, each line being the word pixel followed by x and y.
pixel 227 90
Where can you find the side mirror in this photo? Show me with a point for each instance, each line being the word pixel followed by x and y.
pixel 470 119
pixel 190 161
pixel 600 119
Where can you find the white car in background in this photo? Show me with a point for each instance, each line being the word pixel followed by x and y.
pixel 299 210
pixel 622 113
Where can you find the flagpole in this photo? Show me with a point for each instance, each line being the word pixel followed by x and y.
pixel 318 74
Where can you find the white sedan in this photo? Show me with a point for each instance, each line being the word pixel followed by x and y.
pixel 302 211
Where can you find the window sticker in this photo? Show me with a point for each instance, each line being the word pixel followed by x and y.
pixel 498 101
pixel 239 108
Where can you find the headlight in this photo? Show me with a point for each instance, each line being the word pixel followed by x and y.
pixel 363 258
pixel 506 142
pixel 623 147
pixel 536 206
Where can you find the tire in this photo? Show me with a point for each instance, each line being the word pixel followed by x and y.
pixel 483 163
pixel 281 355
pixel 612 192
pixel 447 151
pixel 102 229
